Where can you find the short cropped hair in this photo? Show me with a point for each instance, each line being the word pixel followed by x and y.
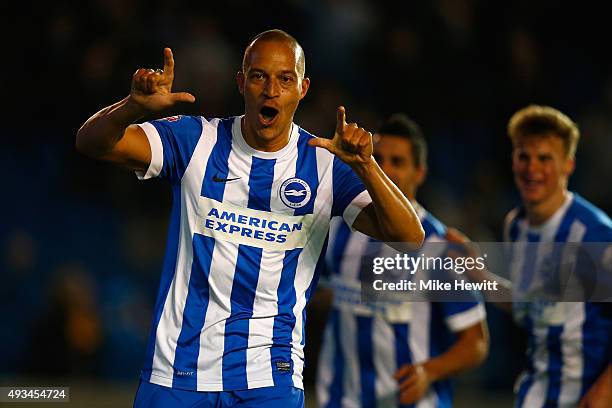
pixel 277 35
pixel 401 125
pixel 538 120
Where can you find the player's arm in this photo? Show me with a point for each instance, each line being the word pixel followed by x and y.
pixel 390 217
pixel 600 391
pixel 470 349
pixel 500 297
pixel 110 134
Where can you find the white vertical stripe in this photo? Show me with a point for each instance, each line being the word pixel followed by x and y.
pixel 309 256
pixel 325 368
pixel 265 304
pixel 352 255
pixel 571 350
pixel 419 345
pixel 537 392
pixel 385 358
pixel 568 275
pixel 571 337
pixel 518 247
pixel 419 331
pixel 171 320
pixel 220 282
pixel 351 372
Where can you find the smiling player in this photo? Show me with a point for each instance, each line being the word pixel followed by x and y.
pixel 253 198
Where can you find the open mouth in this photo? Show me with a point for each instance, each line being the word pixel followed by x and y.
pixel 267 115
pixel 530 183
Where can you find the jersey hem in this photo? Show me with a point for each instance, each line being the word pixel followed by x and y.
pixel 361 201
pixel 217 387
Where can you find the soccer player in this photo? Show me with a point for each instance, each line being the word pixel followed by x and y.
pixel 253 197
pixel 402 354
pixel 569 347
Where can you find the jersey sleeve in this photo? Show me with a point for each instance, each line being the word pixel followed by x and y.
pixel 172 141
pixel 461 315
pixel 349 192
pixel 594 262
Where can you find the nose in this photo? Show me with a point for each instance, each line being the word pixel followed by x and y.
pixel 532 166
pixel 272 88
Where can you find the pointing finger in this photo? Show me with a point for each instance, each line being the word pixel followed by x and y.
pixel 340 119
pixel 183 97
pixel 168 62
pixel 321 142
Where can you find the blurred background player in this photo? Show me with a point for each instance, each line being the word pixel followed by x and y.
pixel 253 196
pixel 569 348
pixel 383 357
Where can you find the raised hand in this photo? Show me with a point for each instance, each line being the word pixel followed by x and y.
pixel 152 89
pixel 351 143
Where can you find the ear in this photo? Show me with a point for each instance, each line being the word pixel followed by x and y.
pixel 240 78
pixel 305 86
pixel 569 166
pixel 420 175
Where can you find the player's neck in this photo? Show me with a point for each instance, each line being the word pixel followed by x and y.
pixel 538 214
pixel 273 144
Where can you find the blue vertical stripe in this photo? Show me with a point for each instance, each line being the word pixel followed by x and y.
pixel 285 319
pixel 244 285
pixel 513 233
pixel 336 388
pixel 553 337
pixel 402 349
pixel 596 344
pixel 168 271
pixel 528 380
pixel 196 304
pixel 439 341
pixel 514 228
pixel 341 239
pixel 553 346
pixel 528 269
pixel 367 371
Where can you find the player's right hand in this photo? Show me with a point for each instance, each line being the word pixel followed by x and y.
pixel 152 89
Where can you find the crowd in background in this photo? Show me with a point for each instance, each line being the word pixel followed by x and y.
pixel 81 243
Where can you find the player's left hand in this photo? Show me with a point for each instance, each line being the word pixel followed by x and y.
pixel 414 381
pixel 351 143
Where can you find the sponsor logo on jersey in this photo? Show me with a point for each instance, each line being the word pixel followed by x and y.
pixel 261 229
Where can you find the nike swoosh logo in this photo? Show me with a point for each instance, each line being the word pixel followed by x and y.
pixel 221 180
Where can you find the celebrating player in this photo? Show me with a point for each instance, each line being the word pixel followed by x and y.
pixel 569 349
pixel 253 197
pixel 403 353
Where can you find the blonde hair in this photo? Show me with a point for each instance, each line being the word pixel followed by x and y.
pixel 538 120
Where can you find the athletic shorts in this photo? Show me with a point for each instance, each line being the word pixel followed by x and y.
pixel 156 396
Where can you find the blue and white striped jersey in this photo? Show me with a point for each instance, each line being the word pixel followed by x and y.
pixel 568 342
pixel 365 344
pixel 247 232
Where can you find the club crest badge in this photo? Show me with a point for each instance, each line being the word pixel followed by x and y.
pixel 295 192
